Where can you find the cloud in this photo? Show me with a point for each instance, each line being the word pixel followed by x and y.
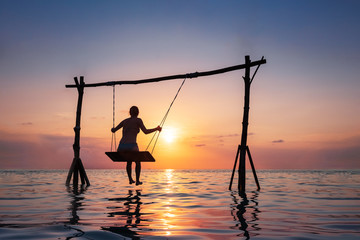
pixel 212 137
pixel 50 152
pixel 228 135
pixel 342 154
pixel 35 152
pixel 18 151
pixel 97 118
pixel 278 141
pixel 212 140
pixel 64 116
pixel 26 124
pixel 200 145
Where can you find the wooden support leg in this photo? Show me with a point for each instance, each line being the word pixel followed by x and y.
pixel 81 172
pixel 76 173
pixel 83 175
pixel 76 169
pixel 233 172
pixel 71 171
pixel 252 167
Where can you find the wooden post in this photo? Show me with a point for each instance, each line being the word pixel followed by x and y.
pixel 243 149
pixel 77 166
pixel 245 123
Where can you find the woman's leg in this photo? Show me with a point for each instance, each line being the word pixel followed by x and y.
pixel 128 170
pixel 138 171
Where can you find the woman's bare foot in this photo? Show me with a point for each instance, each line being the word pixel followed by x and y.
pixel 138 183
pixel 131 181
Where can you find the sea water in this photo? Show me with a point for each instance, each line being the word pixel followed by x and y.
pixel 180 204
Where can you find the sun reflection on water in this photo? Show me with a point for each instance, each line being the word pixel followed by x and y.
pixel 169 215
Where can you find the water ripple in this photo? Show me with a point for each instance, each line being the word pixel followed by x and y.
pixel 180 204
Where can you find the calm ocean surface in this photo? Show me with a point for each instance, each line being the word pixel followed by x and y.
pixel 180 204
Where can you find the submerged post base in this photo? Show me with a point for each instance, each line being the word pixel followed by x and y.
pixel 75 170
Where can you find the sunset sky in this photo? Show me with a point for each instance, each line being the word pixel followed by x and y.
pixel 304 107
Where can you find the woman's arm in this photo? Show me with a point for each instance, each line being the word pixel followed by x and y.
pixel 147 131
pixel 117 127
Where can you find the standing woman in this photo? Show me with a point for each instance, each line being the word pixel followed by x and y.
pixel 131 127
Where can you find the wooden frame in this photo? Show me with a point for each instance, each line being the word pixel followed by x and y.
pixel 77 167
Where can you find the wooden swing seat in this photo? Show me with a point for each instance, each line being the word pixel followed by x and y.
pixel 133 156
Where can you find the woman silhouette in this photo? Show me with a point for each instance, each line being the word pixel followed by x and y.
pixel 131 127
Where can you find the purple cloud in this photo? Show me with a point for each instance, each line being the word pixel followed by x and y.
pixel 200 145
pixel 26 124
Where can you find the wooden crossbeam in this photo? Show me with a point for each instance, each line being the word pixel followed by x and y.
pixel 173 77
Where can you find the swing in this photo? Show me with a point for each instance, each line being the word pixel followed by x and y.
pixel 134 156
pixel 137 156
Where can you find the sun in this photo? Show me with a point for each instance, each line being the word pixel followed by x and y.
pixel 169 134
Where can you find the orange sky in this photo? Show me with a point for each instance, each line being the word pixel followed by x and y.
pixel 304 101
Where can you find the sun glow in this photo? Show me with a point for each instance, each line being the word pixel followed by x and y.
pixel 169 134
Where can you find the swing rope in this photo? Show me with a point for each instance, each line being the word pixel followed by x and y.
pixel 157 134
pixel 113 137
